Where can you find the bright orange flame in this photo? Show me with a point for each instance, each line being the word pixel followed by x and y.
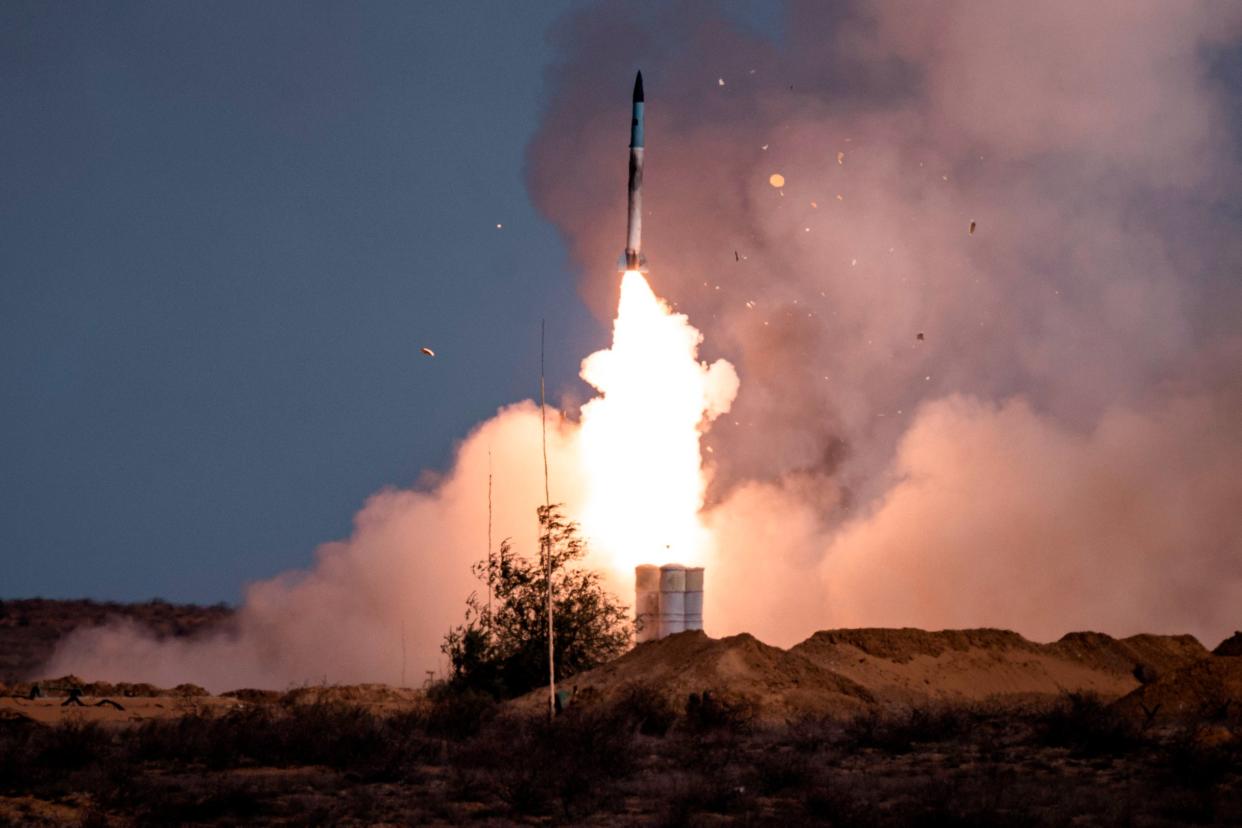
pixel 640 438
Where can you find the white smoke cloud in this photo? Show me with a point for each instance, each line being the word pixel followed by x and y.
pixel 891 362
pixel 1000 517
pixel 403 573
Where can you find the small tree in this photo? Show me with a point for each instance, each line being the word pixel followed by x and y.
pixel 504 650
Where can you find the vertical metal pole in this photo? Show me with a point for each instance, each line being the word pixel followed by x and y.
pixel 546 544
pixel 489 543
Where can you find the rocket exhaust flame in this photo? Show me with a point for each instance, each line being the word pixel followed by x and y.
pixel 639 440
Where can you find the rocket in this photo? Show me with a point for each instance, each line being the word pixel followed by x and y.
pixel 632 258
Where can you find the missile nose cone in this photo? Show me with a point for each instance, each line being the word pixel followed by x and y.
pixel 638 88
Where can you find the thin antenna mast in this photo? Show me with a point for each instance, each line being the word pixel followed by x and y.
pixel 489 542
pixel 546 544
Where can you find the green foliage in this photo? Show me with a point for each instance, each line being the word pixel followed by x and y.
pixel 503 649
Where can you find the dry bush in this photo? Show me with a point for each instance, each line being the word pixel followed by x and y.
pixel 454 760
pixel 709 711
pixel 1086 725
pixel 900 731
pixel 645 709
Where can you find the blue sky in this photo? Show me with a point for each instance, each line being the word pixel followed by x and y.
pixel 226 230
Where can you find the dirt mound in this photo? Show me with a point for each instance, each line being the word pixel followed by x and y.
pixel 1231 646
pixel 1208 690
pixel 252 696
pixel 1142 656
pixel 776 684
pixel 904 645
pixel 841 672
pixel 910 666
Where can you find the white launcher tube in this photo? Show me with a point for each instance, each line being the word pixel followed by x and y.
pixel 647 602
pixel 694 598
pixel 672 599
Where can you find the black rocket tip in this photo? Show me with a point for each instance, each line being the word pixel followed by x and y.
pixel 638 88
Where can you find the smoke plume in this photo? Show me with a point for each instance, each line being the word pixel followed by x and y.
pixel 985 328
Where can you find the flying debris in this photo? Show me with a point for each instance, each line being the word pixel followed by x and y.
pixel 632 258
pixel 428 352
pixel 776 180
pixel 840 158
pixel 736 257
pixel 919 337
pixel 972 229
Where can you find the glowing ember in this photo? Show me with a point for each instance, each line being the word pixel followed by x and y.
pixel 640 437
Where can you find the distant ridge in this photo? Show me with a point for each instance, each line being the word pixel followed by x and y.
pixel 31 627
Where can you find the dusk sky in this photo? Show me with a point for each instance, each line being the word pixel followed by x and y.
pixel 227 231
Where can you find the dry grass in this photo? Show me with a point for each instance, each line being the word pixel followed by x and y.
pixel 634 761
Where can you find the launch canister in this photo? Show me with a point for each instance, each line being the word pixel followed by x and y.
pixel 633 258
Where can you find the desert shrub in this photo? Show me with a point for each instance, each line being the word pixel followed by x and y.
pixel 687 796
pixel 458 713
pixel 708 711
pixel 217 799
pixel 829 803
pixel 645 710
pixel 502 649
pixel 18 749
pixel 811 734
pixel 536 767
pixel 1191 761
pixel 900 731
pixel 50 761
pixel 193 735
pixel 335 734
pixel 72 745
pixel 1083 723
pixel 782 769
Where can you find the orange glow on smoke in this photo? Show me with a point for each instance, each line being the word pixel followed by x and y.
pixel 640 449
